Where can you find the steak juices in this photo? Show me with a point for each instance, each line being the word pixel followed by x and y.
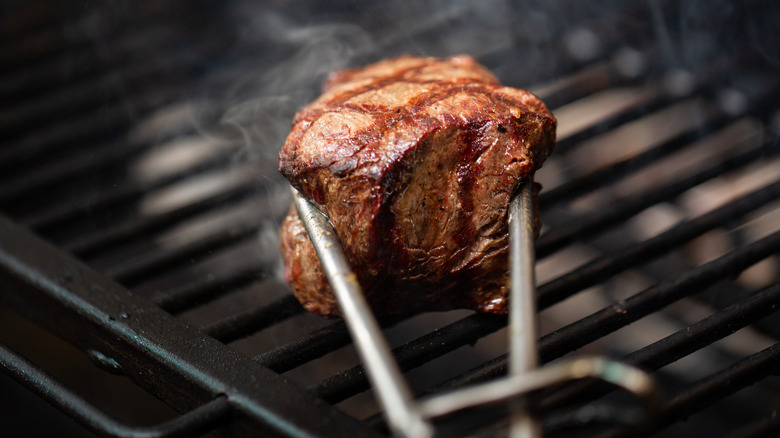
pixel 415 161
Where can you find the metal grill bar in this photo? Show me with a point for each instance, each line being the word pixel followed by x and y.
pixel 625 208
pixel 615 171
pixel 702 79
pixel 596 271
pixel 715 327
pixel 245 323
pixel 86 94
pixel 43 76
pixel 681 343
pixel 184 298
pixel 306 348
pixel 88 245
pixel 81 132
pixel 413 354
pixel 586 81
pixel 197 421
pixel 715 387
pixel 85 98
pixel 66 212
pixel 313 346
pixel 69 168
pixel 619 315
pixel 135 271
pixel 658 99
pixel 643 108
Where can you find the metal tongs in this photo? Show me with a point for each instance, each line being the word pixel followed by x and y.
pixel 412 418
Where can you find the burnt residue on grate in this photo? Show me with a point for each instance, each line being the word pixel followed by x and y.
pixel 140 201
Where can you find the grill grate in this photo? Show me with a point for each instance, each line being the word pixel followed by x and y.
pixel 141 202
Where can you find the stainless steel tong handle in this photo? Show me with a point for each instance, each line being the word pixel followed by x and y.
pixel 523 354
pixel 393 392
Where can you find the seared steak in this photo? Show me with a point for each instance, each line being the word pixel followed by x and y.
pixel 414 160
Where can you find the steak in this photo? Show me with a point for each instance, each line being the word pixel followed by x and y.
pixel 414 160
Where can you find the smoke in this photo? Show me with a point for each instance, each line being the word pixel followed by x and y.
pixel 262 104
pixel 285 51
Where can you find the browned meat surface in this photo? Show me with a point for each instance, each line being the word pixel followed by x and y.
pixel 414 160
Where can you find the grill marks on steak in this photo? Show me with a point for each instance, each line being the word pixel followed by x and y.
pixel 415 161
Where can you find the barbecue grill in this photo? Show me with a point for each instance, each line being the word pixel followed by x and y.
pixel 139 201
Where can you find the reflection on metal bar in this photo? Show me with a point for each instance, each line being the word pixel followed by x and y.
pixel 195 422
pixel 393 392
pixel 713 388
pixel 523 355
pixel 411 419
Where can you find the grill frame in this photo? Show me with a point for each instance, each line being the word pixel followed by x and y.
pixel 53 299
pixel 177 364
